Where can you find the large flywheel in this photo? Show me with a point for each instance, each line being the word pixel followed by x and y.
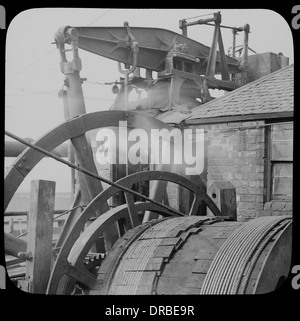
pixel 64 275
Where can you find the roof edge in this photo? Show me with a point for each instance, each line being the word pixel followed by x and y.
pixel 236 118
pixel 233 92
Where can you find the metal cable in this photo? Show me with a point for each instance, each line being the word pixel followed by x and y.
pixel 245 242
pixel 57 217
pixel 245 280
pixel 250 244
pixel 248 240
pixel 228 266
pixel 221 259
pixel 225 260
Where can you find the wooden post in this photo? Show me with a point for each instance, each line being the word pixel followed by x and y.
pixel 39 239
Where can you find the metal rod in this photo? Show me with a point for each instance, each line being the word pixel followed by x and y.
pixel 227 27
pixel 82 170
pixel 202 15
pixel 24 213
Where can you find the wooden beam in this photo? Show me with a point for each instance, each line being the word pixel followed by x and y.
pixel 39 238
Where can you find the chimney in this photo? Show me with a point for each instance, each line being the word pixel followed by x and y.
pixel 265 63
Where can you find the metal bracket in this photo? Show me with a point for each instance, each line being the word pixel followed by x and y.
pixel 134 51
pixel 68 35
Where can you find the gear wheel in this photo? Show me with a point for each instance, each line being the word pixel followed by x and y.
pixel 93 261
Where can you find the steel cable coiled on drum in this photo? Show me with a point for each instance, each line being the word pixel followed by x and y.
pixel 224 263
pixel 227 269
pixel 253 261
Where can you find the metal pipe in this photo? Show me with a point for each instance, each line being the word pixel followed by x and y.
pixel 24 213
pixel 14 245
pixel 234 32
pixel 228 27
pixel 14 149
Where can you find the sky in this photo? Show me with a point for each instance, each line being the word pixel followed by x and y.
pixel 33 78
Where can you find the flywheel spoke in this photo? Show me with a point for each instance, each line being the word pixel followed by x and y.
pixel 195 205
pixel 134 220
pixel 82 276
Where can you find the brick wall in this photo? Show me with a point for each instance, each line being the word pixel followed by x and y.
pixel 239 156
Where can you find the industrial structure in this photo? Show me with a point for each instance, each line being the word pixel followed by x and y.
pixel 155 228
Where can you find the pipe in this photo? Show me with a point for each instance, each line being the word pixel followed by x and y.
pixel 14 148
pixel 14 245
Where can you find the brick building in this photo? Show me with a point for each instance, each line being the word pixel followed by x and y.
pixel 249 134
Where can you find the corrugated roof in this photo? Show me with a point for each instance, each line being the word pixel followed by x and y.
pixel 272 93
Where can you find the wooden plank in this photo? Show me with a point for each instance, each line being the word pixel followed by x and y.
pixel 195 280
pixel 205 253
pixel 202 266
pixel 223 234
pixel 170 241
pixel 164 251
pixel 146 283
pixel 154 264
pixel 169 285
pixel 184 236
pixel 39 238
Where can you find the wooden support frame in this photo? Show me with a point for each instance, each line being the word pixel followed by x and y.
pixel 39 239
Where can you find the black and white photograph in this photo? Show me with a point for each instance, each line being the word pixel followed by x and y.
pixel 149 152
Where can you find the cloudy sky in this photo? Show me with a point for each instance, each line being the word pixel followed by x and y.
pixel 33 78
